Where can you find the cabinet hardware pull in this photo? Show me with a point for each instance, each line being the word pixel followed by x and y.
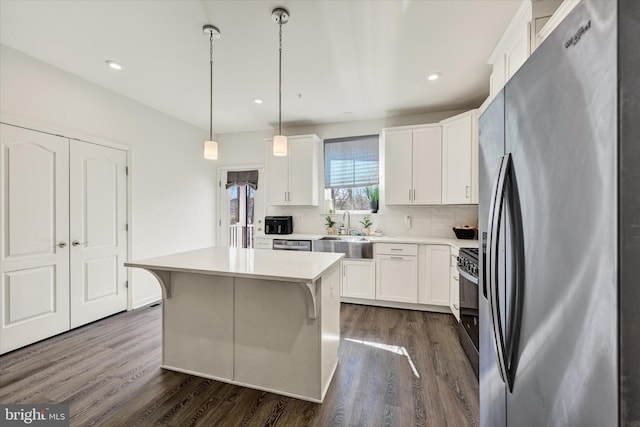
pixel 456 278
pixel 62 244
pixel 76 243
pixel 396 249
pixel 397 257
pixel 466 192
pixel 456 306
pixel 414 195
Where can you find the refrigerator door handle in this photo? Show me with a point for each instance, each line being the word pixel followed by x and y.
pixel 517 275
pixel 495 221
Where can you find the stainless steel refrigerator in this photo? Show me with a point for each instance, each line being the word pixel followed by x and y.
pixel 559 218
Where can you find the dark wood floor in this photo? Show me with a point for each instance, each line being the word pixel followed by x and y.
pixel 109 374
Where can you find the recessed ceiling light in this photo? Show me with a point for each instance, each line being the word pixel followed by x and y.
pixel 114 65
pixel 257 100
pixel 433 76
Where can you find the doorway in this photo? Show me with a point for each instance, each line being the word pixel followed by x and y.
pixel 241 203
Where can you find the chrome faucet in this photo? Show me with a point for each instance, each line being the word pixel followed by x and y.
pixel 348 221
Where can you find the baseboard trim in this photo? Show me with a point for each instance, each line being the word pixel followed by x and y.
pixel 403 305
pixel 241 384
pixel 146 301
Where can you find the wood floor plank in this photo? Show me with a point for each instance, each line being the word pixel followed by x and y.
pixel 396 368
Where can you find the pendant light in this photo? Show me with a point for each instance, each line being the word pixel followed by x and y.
pixel 211 146
pixel 280 16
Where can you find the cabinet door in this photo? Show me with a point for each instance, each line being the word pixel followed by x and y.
pixel 427 166
pixel 303 190
pixel 358 279
pixel 98 217
pixel 518 52
pixel 456 161
pixel 398 175
pixel 34 265
pixel 498 77
pixel 434 286
pixel 397 278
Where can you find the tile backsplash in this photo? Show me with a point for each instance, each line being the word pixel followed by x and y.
pixel 423 221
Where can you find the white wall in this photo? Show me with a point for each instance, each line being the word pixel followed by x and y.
pixel 173 192
pixel 431 221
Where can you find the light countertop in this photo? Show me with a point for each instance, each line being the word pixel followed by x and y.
pixel 458 243
pixel 290 266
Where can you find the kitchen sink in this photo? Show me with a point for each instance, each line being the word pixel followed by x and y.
pixel 351 246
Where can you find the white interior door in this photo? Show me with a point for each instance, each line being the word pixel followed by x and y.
pixel 34 267
pixel 98 211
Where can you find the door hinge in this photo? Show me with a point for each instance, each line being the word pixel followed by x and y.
pixel 126 170
pixel 126 227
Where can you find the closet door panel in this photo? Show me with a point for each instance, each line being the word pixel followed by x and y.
pixel 34 217
pixel 98 232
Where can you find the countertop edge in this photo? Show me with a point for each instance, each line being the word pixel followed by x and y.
pixel 256 276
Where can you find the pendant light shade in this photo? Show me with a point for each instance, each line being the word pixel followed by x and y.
pixel 211 146
pixel 280 16
pixel 211 150
pixel 279 145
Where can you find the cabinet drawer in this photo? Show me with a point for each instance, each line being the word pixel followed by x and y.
pixel 263 243
pixel 396 249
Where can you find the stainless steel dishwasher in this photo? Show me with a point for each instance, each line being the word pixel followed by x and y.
pixel 292 245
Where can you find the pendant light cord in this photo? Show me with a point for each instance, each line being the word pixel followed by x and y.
pixel 280 82
pixel 211 86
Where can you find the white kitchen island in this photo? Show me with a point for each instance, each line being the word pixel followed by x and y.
pixel 268 320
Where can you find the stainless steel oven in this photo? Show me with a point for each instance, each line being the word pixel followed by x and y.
pixel 469 330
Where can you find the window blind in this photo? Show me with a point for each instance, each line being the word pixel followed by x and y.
pixel 249 178
pixel 351 162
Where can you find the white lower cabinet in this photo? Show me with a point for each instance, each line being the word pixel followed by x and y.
pixel 454 296
pixel 358 279
pixel 397 275
pixel 433 287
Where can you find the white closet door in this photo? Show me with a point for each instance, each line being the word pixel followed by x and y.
pixel 34 267
pixel 97 231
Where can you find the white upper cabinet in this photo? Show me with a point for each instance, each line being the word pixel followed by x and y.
pixel 459 159
pixel 427 166
pixel 413 165
pixel 293 179
pixel 398 148
pixel 548 17
pixel 532 22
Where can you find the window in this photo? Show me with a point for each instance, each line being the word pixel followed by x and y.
pixel 350 166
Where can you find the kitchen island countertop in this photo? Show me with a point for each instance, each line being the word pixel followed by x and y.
pixel 288 266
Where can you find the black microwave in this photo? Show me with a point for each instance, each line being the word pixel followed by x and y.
pixel 278 225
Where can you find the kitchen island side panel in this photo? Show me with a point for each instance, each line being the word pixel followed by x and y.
pixel 198 325
pixel 277 346
pixel 329 296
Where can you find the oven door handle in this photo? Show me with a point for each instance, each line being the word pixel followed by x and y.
pixel 468 276
pixel 495 222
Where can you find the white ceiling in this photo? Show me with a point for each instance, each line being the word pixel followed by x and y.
pixel 369 58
